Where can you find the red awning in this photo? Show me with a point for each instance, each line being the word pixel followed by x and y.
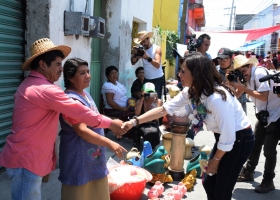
pixel 256 33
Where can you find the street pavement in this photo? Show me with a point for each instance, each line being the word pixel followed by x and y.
pixel 242 191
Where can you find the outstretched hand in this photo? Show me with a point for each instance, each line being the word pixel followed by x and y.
pixel 116 128
pixel 117 149
pixel 127 125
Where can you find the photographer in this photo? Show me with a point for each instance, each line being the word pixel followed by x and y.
pixel 225 61
pixel 267 126
pixel 150 54
pixel 149 130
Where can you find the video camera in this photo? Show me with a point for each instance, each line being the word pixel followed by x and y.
pixel 275 77
pixel 150 94
pixel 191 44
pixel 140 50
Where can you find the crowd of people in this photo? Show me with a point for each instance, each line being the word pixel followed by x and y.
pixel 29 152
pixel 269 61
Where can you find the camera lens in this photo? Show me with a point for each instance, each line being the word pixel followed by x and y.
pixel 231 77
pixel 263 122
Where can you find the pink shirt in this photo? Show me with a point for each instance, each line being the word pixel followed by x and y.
pixel 38 104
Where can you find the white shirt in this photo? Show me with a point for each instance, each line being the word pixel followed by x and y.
pixel 151 72
pixel 273 106
pixel 119 92
pixel 223 117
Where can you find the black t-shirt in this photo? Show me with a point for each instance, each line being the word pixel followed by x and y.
pixel 136 87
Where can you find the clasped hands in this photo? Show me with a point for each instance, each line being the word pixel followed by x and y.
pixel 119 128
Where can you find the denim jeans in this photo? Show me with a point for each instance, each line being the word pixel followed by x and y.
pixel 268 138
pixel 220 185
pixel 25 185
pixel 190 133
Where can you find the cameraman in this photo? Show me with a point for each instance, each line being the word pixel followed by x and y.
pixel 267 127
pixel 225 61
pixel 203 44
pixel 151 57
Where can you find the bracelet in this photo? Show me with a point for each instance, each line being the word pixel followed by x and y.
pixel 134 122
pixel 215 158
pixel 137 120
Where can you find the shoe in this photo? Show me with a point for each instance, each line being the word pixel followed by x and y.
pixel 245 175
pixel 265 186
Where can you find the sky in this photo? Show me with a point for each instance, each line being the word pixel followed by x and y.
pixel 217 11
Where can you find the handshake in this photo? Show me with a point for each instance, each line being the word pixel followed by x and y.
pixel 119 128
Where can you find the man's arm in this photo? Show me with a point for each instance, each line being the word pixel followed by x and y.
pixel 134 59
pixel 54 98
pixel 240 89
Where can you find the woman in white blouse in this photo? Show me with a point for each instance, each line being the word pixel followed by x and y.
pixel 114 96
pixel 222 114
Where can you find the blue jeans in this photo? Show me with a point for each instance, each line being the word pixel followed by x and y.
pixel 220 185
pixel 25 185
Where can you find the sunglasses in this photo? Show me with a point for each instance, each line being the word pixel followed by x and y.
pixel 222 59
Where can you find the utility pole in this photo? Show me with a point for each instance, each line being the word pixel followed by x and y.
pixel 183 27
pixel 231 15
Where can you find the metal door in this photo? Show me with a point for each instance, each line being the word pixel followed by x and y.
pixel 12 43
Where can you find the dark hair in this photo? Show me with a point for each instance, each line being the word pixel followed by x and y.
pixel 109 69
pixel 205 36
pixel 70 68
pixel 48 58
pixel 138 69
pixel 206 77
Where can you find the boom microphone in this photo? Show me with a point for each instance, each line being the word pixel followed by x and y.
pixel 270 76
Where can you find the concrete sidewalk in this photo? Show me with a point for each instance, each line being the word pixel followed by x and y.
pixel 242 191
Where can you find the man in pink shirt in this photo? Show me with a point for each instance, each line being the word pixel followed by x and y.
pixel 29 154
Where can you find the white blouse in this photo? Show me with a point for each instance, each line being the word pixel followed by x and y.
pixel 119 92
pixel 223 117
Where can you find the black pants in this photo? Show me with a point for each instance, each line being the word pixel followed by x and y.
pixel 268 139
pixel 220 185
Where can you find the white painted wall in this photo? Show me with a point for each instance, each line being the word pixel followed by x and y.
pixel 81 47
pixel 120 15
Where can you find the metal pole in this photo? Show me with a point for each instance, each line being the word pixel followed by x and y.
pixel 231 15
pixel 234 19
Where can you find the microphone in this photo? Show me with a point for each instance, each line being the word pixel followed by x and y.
pixel 270 76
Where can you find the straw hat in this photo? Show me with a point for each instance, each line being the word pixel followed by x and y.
pixel 142 35
pixel 42 46
pixel 240 61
